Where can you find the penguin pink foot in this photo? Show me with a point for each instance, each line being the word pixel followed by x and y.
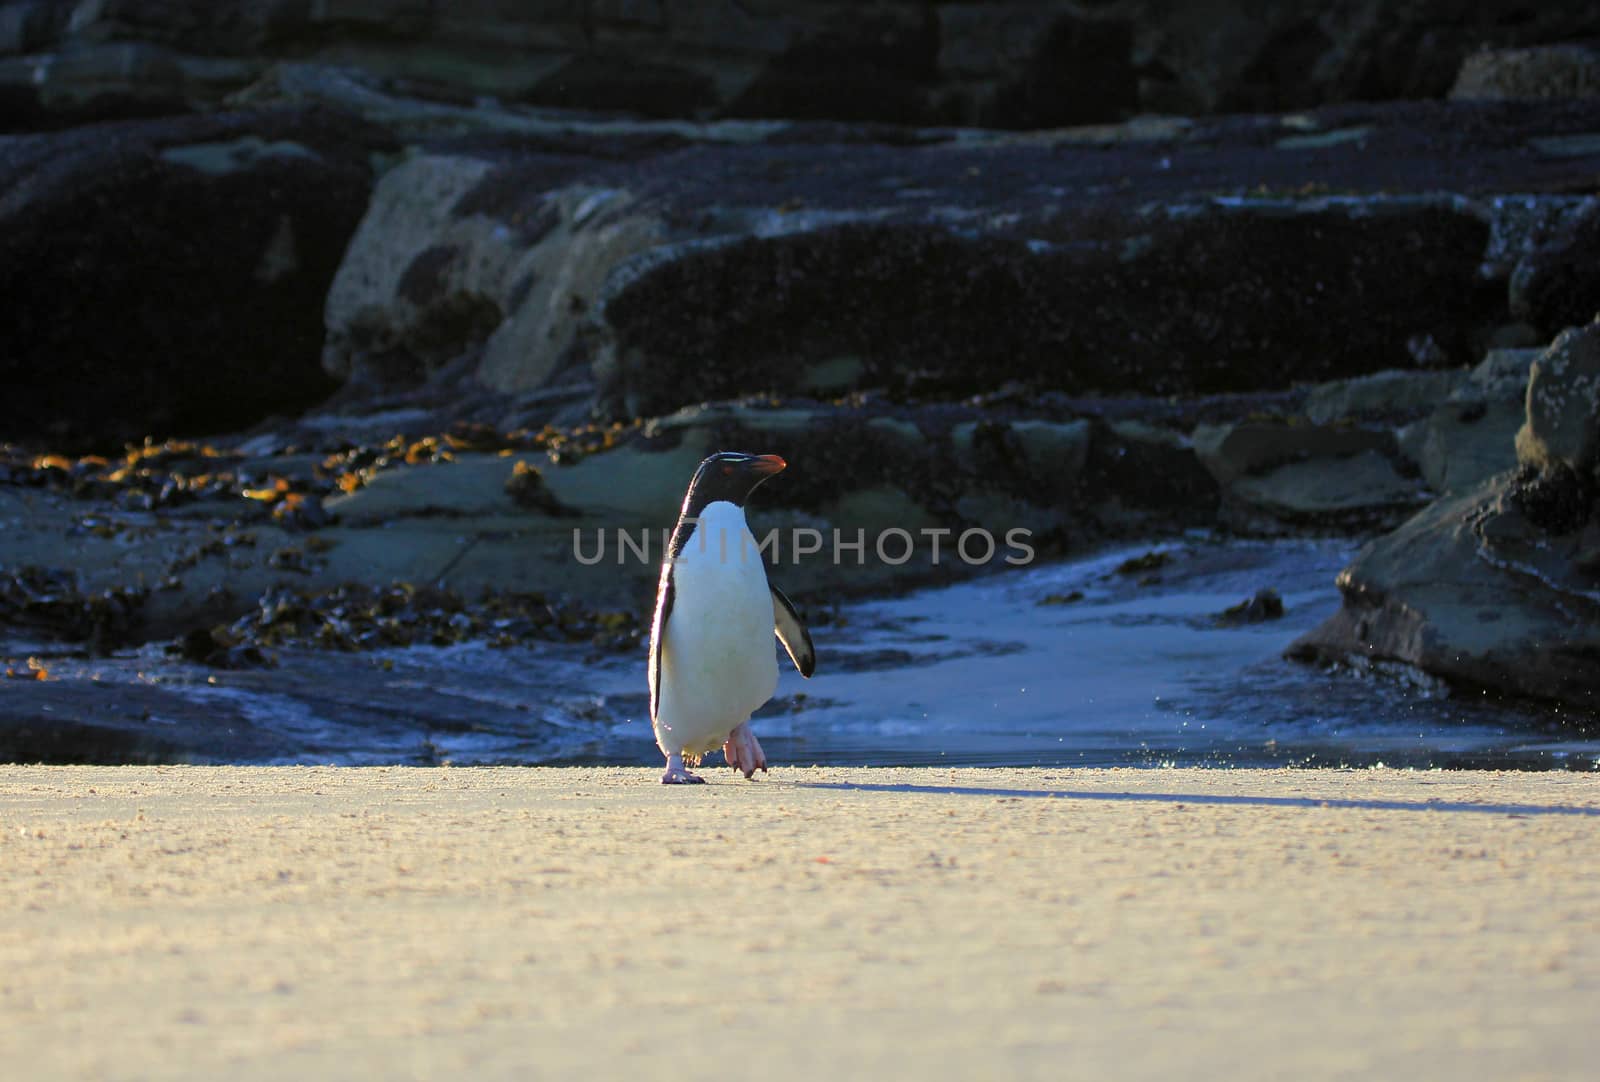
pixel 743 751
pixel 678 774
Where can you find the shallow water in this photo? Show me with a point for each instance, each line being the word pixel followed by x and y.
pixel 1136 671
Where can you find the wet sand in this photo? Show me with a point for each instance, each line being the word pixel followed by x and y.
pixel 255 923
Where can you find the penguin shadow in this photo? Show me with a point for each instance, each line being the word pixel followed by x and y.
pixel 1459 807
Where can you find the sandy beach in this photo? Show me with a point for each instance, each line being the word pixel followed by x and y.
pixel 195 922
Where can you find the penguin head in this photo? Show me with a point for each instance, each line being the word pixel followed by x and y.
pixel 729 476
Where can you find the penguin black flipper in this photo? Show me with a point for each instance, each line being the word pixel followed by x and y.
pixel 658 629
pixel 792 633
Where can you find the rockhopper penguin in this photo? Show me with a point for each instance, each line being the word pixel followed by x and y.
pixel 712 662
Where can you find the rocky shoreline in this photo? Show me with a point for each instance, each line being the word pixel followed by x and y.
pixel 412 346
pixel 228 552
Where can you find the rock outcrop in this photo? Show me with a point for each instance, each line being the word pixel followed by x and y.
pixel 1493 584
pixel 169 275
pixel 1275 473
pixel 1550 71
pixel 1470 435
pixel 926 307
pixel 1562 431
pixel 1010 65
pixel 429 277
pixel 574 264
pixel 674 264
pixel 1557 284
pixel 1498 587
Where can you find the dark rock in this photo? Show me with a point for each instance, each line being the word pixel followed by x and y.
pixel 1266 604
pixel 167 276
pixel 219 647
pixel 1557 285
pixel 1563 405
pixel 1393 396
pixel 1141 565
pixel 874 63
pixel 527 489
pixel 1515 336
pixel 1557 499
pixel 1359 492
pixel 1494 587
pixel 1486 589
pixel 1145 468
pixel 200 644
pixel 1550 71
pixel 1213 301
pixel 1277 472
pixel 1586 561
pixel 52 600
pixel 646 87
pixel 902 61
pixel 1471 435
pixel 1253 447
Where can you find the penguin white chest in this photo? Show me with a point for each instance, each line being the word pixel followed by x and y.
pixel 718 657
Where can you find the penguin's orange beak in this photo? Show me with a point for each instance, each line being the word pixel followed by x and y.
pixel 767 465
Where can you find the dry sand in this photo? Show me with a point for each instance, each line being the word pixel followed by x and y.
pixel 244 923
